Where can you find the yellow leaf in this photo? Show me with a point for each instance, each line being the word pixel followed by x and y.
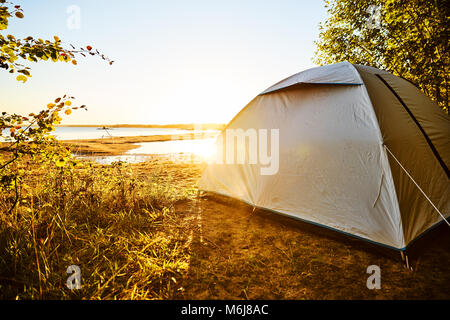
pixel 74 62
pixel 50 105
pixel 22 78
pixel 60 162
pixel 68 111
pixel 68 103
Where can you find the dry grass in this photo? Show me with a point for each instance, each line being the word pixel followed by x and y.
pixel 107 220
pixel 139 232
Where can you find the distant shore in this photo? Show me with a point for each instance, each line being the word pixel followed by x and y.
pixel 120 145
pixel 185 126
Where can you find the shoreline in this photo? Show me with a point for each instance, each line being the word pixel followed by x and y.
pixel 183 126
pixel 120 145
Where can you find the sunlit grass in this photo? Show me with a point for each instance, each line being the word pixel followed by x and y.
pixel 107 220
pixel 139 232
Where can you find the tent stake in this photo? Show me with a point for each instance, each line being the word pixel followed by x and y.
pixel 407 263
pixel 405 260
pixel 251 214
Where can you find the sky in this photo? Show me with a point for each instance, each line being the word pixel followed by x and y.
pixel 175 61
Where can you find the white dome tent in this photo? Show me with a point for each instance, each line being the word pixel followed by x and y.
pixel 360 151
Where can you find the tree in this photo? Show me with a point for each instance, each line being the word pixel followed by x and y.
pixel 408 39
pixel 13 50
pixel 25 139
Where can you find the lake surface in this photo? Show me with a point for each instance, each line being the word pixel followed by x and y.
pixel 198 147
pixel 77 133
pixel 177 150
pixel 202 147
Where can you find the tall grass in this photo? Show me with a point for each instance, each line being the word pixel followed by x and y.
pixel 105 219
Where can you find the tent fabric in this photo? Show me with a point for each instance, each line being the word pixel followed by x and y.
pixel 339 73
pixel 403 137
pixel 333 168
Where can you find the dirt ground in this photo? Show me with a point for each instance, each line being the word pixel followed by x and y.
pixel 237 254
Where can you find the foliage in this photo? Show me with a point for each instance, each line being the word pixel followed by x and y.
pixel 13 50
pixel 410 41
pixel 55 211
pixel 28 139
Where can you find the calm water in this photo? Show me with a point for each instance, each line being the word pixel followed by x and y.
pixel 198 147
pixel 177 150
pixel 75 133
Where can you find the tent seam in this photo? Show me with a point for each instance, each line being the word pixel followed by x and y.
pixel 389 175
pixel 422 130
